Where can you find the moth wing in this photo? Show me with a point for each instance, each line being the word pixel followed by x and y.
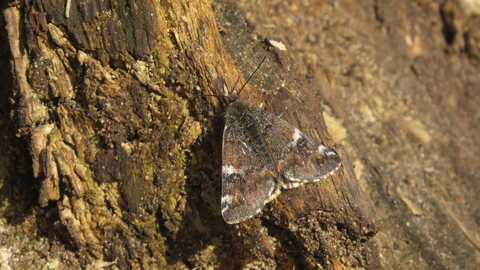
pixel 247 184
pixel 301 159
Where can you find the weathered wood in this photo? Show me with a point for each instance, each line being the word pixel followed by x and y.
pixel 128 166
pixel 402 77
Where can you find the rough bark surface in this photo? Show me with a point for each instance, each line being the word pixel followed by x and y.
pixel 108 162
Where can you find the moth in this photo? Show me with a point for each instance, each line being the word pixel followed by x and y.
pixel 261 155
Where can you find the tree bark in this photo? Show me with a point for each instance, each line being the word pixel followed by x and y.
pixel 127 155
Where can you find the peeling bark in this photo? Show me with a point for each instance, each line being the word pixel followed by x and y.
pixel 128 164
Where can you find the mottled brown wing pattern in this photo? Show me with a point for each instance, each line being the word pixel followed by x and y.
pixel 246 183
pixel 301 159
pixel 263 153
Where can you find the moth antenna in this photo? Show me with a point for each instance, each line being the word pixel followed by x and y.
pixel 251 75
pixel 221 96
pixel 235 85
pixel 239 90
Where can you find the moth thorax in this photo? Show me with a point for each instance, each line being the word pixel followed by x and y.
pixel 237 109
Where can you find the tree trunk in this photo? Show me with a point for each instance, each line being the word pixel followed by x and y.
pixel 125 148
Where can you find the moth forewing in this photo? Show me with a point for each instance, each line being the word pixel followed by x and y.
pixel 262 153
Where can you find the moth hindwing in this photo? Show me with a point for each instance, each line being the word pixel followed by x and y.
pixel 262 154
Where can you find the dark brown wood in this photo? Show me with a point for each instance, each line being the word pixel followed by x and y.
pixel 127 166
